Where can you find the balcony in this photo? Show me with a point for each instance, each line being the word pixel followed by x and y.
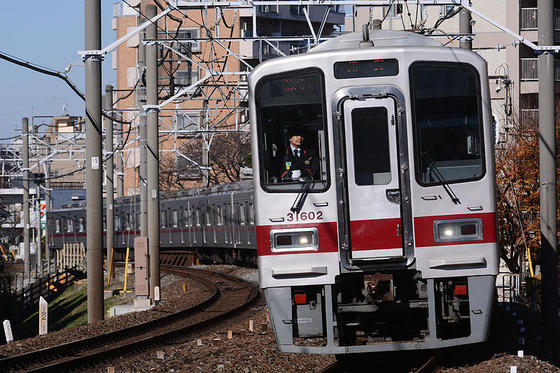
pixel 530 20
pixel 529 69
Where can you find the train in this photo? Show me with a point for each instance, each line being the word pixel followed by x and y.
pixel 384 237
pixel 217 224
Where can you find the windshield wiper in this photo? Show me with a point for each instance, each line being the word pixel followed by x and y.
pixel 441 179
pixel 302 195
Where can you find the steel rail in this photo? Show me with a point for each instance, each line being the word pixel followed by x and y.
pixel 91 351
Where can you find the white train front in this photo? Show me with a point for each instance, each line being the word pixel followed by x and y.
pixel 386 237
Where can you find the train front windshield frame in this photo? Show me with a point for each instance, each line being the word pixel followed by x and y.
pixel 447 120
pixel 288 103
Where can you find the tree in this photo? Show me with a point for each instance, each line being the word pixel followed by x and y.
pixel 517 179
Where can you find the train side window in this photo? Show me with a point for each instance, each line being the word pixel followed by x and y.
pixel 447 122
pixel 175 218
pixel 69 225
pixel 129 222
pixel 292 104
pixel 57 226
pixel 163 218
pixel 197 213
pixel 81 227
pixel 117 222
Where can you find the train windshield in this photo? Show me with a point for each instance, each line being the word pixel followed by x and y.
pixel 447 121
pixel 292 131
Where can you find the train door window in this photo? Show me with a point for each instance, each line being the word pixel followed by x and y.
pixel 207 213
pixel 175 218
pixel 370 134
pixel 447 122
pixel 163 221
pixel 81 227
pixel 220 216
pixel 291 114
pixel 57 226
pixel 242 214
pixel 251 214
pixel 69 225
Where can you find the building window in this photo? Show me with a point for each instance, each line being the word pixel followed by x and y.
pixel 184 45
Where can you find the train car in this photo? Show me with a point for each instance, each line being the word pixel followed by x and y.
pixel 383 237
pixel 216 223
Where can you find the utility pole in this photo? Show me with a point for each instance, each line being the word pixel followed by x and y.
pixel 547 161
pixel 25 206
pixel 153 153
pixel 119 155
pixel 465 27
pixel 94 200
pixel 109 177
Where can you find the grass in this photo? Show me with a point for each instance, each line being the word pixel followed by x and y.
pixel 69 309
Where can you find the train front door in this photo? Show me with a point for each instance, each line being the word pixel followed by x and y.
pixel 372 180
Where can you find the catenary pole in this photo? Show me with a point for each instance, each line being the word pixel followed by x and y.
pixel 94 200
pixel 48 203
pixel 25 206
pixel 109 184
pixel 547 158
pixel 465 27
pixel 143 138
pixel 153 156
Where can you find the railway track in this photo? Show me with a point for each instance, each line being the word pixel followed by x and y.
pixel 427 364
pixel 228 295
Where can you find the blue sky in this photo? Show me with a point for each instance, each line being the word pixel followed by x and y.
pixel 47 33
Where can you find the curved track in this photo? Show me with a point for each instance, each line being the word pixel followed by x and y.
pixel 230 294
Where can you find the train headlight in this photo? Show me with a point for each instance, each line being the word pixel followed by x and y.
pixel 299 239
pixel 458 230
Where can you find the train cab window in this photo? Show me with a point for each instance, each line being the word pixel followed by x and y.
pixel 57 226
pixel 447 120
pixel 292 104
pixel 175 218
pixel 69 225
pixel 81 227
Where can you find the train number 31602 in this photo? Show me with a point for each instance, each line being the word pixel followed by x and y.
pixel 305 215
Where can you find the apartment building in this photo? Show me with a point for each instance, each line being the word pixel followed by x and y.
pixel 512 66
pixel 212 116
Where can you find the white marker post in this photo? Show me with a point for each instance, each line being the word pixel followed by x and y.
pixel 156 294
pixel 43 316
pixel 8 332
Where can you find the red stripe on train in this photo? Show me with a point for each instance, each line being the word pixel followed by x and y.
pixel 377 234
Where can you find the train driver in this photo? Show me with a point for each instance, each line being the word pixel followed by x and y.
pixel 298 161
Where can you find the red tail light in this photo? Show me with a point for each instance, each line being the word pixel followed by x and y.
pixel 460 290
pixel 300 298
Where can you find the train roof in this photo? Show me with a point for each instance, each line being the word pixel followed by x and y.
pixel 379 38
pixel 242 186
